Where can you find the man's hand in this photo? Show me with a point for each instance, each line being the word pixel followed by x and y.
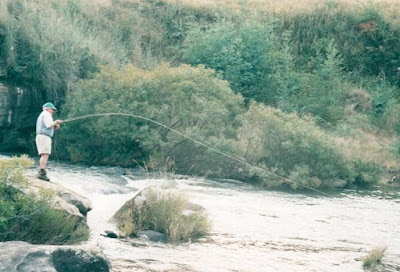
pixel 57 124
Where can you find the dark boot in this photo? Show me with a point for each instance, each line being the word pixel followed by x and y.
pixel 42 175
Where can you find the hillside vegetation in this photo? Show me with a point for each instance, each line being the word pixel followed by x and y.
pixel 308 91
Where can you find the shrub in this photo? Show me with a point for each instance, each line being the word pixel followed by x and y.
pixel 259 63
pixel 243 52
pixel 385 105
pixel 298 150
pixel 365 39
pixel 189 100
pixel 27 217
pixel 323 92
pixel 164 212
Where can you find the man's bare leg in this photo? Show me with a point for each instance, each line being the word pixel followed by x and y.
pixel 43 161
pixel 42 165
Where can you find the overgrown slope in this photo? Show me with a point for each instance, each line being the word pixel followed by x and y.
pixel 332 64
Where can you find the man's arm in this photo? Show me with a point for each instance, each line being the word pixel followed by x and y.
pixel 49 123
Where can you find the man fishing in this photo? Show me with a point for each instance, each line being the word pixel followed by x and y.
pixel 45 126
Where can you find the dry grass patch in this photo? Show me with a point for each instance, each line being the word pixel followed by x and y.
pixel 374 257
pixel 165 211
pixel 370 147
pixel 391 7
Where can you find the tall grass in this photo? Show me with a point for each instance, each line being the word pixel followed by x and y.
pixel 48 45
pixel 374 257
pixel 163 211
pixel 305 57
pixel 30 217
pixel 290 7
pixel 49 226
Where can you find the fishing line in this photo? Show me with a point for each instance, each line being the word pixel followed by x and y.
pixel 197 142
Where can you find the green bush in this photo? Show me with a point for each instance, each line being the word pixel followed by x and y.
pixel 243 52
pixel 297 150
pixel 189 100
pixel 366 41
pixel 12 198
pixel 385 105
pixel 259 64
pixel 323 92
pixel 164 212
pixel 28 217
pixel 196 103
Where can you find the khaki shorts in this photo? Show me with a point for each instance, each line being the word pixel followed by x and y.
pixel 43 144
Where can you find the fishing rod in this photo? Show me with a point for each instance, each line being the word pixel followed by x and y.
pixel 195 141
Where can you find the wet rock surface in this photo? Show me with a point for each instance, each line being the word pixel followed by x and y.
pixel 64 199
pixel 153 236
pixel 17 117
pixel 25 257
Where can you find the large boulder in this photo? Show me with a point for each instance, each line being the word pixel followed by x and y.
pixel 139 200
pixel 135 210
pixel 25 257
pixel 64 199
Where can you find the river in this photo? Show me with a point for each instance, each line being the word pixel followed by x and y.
pixel 252 229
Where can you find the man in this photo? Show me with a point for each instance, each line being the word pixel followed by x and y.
pixel 45 127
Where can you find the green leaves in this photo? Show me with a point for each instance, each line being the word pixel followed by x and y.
pixel 298 150
pixel 239 52
pixel 190 100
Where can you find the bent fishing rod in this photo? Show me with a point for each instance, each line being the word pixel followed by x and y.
pixel 197 142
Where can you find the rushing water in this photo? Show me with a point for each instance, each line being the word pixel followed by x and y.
pixel 253 230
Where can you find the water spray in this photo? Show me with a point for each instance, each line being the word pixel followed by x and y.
pixel 195 141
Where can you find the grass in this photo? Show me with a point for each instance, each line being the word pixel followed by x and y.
pixel 51 44
pixel 360 139
pixel 378 150
pixel 391 7
pixel 53 227
pixel 166 212
pixel 374 257
pixel 30 217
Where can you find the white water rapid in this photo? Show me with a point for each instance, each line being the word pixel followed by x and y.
pixel 253 230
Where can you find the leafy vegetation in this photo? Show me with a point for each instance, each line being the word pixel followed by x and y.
pixel 28 217
pixel 323 74
pixel 47 46
pixel 165 212
pixel 297 149
pixel 189 100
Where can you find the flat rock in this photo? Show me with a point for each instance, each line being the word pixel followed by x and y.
pixel 64 198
